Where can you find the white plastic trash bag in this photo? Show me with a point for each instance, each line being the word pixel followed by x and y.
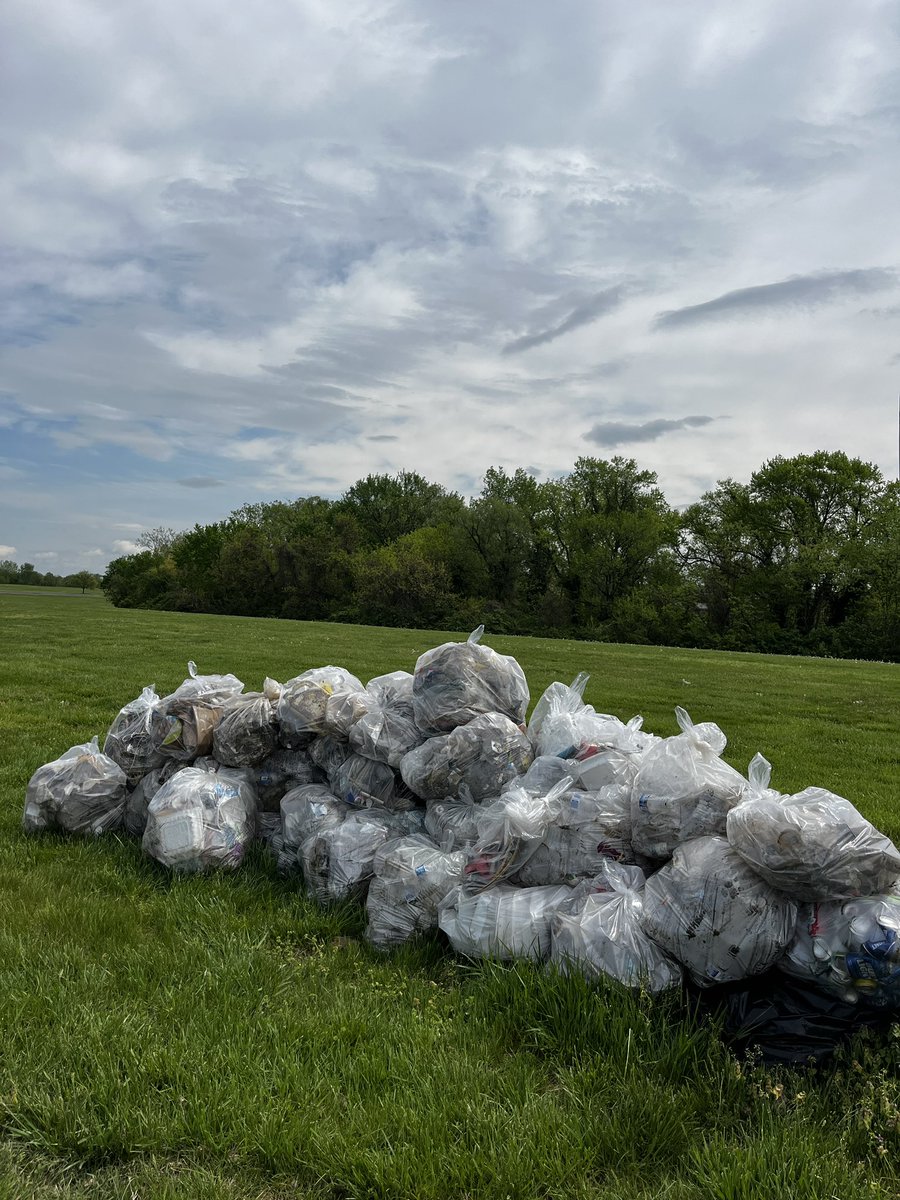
pixel 248 730
pixel 82 791
pixel 850 948
pixel 411 878
pixel 504 922
pixel 813 845
pixel 683 789
pixel 484 755
pixel 598 932
pixel 201 819
pixel 131 741
pixel 303 705
pixel 459 681
pixel 714 914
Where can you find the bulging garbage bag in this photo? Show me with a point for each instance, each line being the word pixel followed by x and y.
pixel 365 783
pixel 185 725
pixel 505 922
pixel 343 710
pixel 850 948
pixel 598 932
pixel 683 789
pixel 304 701
pixel 329 755
pixel 201 819
pixel 279 772
pixel 585 830
pixel 385 734
pixel 131 741
pixel 134 819
pixel 215 689
pixel 394 691
pixel 485 755
pixel 82 791
pixel 338 861
pixel 411 878
pixel 248 730
pixel 712 912
pixel 544 773
pixel 459 681
pixel 813 845
pixel 558 697
pixel 305 811
pixel 452 823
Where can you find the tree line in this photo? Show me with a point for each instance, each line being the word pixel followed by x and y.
pixel 12 572
pixel 803 559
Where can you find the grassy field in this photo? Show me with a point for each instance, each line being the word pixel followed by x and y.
pixel 222 1037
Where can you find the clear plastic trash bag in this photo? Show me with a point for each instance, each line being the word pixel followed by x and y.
pixel 338 861
pixel 484 755
pixel 385 734
pixel 279 773
pixel 134 819
pixel 544 773
pixel 411 878
pixel 393 690
pixel 586 830
pixel 343 710
pixel 813 845
pixel 849 948
pixel 714 914
pixel 558 697
pixel 365 783
pixel 185 726
pixel 329 755
pixel 307 809
pixel 82 791
pixel 598 932
pixel 452 823
pixel 505 922
pixel 132 740
pixel 215 689
pixel 459 681
pixel 248 730
pixel 303 705
pixel 683 790
pixel 201 819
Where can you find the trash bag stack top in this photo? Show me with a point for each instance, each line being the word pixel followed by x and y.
pixel 248 729
pixel 683 789
pixel 302 708
pixel 459 681
pixel 130 740
pixel 82 791
pixel 184 722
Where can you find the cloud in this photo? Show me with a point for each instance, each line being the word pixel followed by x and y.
pixel 200 481
pixel 798 292
pixel 620 433
pixel 95 553
pixel 583 314
pixel 46 554
pixel 6 551
pixel 122 546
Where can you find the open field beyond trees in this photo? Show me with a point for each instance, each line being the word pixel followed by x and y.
pixel 224 1037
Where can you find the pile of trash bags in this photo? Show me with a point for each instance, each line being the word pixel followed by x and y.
pixel 577 839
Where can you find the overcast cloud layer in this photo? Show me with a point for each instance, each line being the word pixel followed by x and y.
pixel 258 251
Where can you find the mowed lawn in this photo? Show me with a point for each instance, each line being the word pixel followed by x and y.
pixel 224 1037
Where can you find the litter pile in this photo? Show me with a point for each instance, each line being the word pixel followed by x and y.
pixel 577 839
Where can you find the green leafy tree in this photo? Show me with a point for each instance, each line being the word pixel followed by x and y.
pixel 84 580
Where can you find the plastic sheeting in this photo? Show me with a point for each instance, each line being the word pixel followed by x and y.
pixel 710 911
pixel 850 948
pixel 131 741
pixel 200 820
pixel 504 922
pixel 813 845
pixel 82 791
pixel 411 878
pixel 598 932
pixel 458 681
pixel 683 790
pixel 484 755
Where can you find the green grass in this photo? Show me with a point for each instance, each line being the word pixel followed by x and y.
pixel 223 1037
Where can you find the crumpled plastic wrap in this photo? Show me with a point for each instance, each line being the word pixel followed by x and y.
pixel 338 861
pixel 484 755
pixel 452 823
pixel 302 709
pixel 279 773
pixel 365 783
pixel 458 681
pixel 813 845
pixel 504 922
pixel 849 948
pixel 411 878
pixel 82 791
pixel 385 734
pixel 248 730
pixel 683 789
pixel 201 819
pixel 585 830
pixel 598 932
pixel 714 914
pixel 131 741
pixel 134 819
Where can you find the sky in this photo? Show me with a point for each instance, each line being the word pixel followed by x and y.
pixel 254 252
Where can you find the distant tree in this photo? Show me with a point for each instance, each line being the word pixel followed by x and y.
pixel 9 571
pixel 387 507
pixel 84 580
